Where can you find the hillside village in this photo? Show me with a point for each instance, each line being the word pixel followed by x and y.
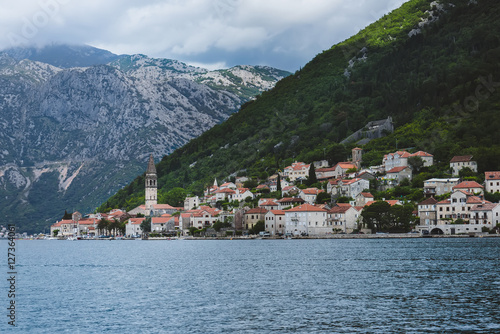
pixel 312 200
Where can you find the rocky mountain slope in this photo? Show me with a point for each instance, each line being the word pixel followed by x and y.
pixel 72 136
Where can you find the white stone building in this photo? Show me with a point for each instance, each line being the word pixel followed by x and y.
pixel 306 219
pixel 457 163
pixel 492 182
pixel 275 222
pixel 344 218
pixel 438 187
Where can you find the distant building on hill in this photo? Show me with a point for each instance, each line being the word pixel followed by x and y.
pixel 457 163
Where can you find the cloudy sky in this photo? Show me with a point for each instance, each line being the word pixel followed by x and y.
pixel 215 34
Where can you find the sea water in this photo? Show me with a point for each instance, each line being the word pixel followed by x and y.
pixel 255 286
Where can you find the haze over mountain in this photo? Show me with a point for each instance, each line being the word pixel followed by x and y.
pixel 73 136
pixel 432 66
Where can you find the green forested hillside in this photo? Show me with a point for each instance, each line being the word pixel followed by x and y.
pixel 439 85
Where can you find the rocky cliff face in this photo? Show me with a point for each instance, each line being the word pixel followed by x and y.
pixel 71 137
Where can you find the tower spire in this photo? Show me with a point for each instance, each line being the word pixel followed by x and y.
pixel 151 165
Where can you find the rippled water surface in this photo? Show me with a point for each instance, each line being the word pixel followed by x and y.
pixel 256 286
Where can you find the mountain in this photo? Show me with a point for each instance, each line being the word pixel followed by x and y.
pixel 71 137
pixel 63 55
pixel 431 66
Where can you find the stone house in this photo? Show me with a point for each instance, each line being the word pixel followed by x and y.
pixel 275 222
pixel 486 214
pixel 344 218
pixel 309 195
pixel 297 171
pixel 133 227
pixel 351 187
pixel 438 187
pixel 427 212
pixel 492 182
pixel 399 174
pixel 306 219
pixel 457 163
pixel 252 216
pixel 363 197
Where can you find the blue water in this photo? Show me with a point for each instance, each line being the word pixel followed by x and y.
pixel 255 286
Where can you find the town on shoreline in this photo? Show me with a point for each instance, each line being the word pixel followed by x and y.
pixel 313 201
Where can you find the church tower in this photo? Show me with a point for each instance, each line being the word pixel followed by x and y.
pixel 151 186
pixel 357 157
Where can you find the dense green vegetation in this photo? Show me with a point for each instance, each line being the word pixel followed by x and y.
pixel 439 87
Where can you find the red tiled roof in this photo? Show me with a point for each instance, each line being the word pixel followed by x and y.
pixel 306 208
pixel 136 221
pixel 268 203
pixel 476 200
pixel 392 202
pixel 256 211
pixel 291 199
pixel 467 185
pixel 491 176
pixel 397 169
pixel 345 165
pixel 312 191
pixel 429 201
pixel 351 181
pixel 225 190
pixel 323 170
pixel 87 221
pixel 421 154
pixel 484 207
pixel 278 212
pixel 160 220
pixel 367 195
pixel 461 158
pixel 163 207
pixel 340 208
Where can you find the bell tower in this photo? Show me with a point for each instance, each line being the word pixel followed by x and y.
pixel 151 186
pixel 357 157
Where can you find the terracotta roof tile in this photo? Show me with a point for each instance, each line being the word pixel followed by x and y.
pixel 461 158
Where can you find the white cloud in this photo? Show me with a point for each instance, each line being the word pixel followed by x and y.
pixel 292 31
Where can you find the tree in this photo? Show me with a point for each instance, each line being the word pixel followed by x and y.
pixel 103 225
pixel 415 163
pixel 67 215
pixel 381 216
pixel 466 172
pixel 250 184
pixel 258 227
pixel 323 197
pixel 55 233
pixel 312 175
pixel 174 197
pixel 146 225
pixel 192 230
pixel 278 184
pixel 377 216
pixel 218 225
